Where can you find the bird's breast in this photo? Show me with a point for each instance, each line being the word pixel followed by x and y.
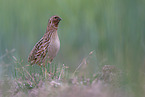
pixel 54 45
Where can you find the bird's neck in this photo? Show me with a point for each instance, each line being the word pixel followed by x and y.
pixel 52 27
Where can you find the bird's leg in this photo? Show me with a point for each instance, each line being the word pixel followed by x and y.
pixel 45 70
pixel 45 74
pixel 49 62
pixel 42 69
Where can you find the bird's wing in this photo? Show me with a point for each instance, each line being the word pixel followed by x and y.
pixel 39 51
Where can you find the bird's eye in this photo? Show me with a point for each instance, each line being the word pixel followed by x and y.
pixel 55 17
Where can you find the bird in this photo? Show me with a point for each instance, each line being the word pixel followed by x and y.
pixel 48 46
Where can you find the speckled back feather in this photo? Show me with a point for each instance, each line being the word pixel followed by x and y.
pixel 39 51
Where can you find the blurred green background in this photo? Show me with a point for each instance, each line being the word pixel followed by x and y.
pixel 114 29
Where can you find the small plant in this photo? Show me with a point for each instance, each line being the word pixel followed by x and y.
pixel 29 77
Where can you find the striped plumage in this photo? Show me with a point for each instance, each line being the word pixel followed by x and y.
pixel 48 46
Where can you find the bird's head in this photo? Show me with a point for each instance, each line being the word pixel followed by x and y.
pixel 54 21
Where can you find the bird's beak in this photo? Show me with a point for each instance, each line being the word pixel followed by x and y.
pixel 59 19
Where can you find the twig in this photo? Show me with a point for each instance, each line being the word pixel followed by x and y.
pixel 62 71
pixel 83 61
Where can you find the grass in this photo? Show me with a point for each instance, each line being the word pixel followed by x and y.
pixel 30 81
pixel 34 74
pixel 113 28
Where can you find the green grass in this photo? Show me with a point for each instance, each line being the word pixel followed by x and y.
pixel 56 81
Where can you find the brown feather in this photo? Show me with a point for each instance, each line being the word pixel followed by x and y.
pixel 42 49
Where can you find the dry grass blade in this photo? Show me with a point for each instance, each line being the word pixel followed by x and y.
pixel 84 61
pixel 29 75
pixel 61 72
